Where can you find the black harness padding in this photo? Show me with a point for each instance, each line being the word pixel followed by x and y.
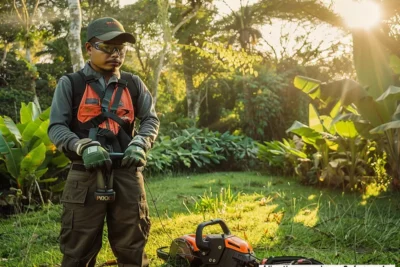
pixel 110 141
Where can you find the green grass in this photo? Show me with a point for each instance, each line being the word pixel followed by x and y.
pixel 277 216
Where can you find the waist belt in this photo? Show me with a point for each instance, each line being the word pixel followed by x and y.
pixel 81 167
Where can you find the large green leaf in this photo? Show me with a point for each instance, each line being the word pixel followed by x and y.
pixel 346 91
pixel 41 133
pixel 372 64
pixel 30 130
pixel 45 115
pixel 40 173
pixel 314 121
pixel 49 180
pixel 60 161
pixel 9 130
pixel 395 63
pixel 308 86
pixel 32 161
pixel 373 111
pixel 12 156
pixel 393 92
pixel 346 129
pixel 58 187
pixel 386 126
pixel 362 126
pixel 25 114
pixel 28 112
pixel 304 131
pixel 396 115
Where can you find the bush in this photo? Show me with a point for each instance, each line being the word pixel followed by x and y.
pixel 201 150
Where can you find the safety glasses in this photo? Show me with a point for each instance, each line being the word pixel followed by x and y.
pixel 110 48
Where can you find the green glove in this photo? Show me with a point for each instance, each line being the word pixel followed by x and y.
pixel 134 156
pixel 93 155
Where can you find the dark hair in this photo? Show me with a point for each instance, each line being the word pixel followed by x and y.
pixel 93 39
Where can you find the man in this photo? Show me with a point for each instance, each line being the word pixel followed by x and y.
pixel 92 116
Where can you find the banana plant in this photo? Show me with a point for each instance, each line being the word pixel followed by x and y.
pixel 341 152
pixel 26 150
pixel 371 103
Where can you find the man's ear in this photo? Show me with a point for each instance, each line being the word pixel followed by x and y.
pixel 89 48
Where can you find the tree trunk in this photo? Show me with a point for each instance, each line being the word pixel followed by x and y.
pixel 192 94
pixel 28 56
pixel 4 55
pixel 157 73
pixel 167 35
pixel 164 20
pixel 74 36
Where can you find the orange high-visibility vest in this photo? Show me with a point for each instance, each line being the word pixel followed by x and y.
pixel 90 107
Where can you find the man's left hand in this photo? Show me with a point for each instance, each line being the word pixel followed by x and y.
pixel 134 156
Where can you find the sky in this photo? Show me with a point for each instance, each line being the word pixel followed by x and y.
pixel 235 4
pixel 355 14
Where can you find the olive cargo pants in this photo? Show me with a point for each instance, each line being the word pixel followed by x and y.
pixel 83 219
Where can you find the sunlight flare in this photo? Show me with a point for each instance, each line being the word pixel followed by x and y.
pixel 362 14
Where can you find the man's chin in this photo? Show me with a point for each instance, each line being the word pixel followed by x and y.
pixel 109 68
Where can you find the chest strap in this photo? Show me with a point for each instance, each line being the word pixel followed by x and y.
pixel 105 99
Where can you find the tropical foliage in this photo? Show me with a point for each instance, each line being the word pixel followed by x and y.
pixel 367 110
pixel 223 84
pixel 27 152
pixel 196 149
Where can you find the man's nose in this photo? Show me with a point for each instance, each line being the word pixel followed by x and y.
pixel 116 52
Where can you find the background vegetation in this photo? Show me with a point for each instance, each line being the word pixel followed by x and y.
pixel 260 87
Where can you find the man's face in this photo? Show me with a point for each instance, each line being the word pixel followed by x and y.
pixel 106 56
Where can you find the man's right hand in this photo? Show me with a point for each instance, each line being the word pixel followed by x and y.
pixel 93 155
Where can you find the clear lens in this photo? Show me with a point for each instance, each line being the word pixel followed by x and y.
pixel 110 48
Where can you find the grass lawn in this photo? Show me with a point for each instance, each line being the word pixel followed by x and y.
pixel 277 216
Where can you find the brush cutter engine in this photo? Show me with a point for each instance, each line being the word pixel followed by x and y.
pixel 222 250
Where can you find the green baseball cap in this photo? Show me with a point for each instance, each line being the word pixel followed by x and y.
pixel 106 29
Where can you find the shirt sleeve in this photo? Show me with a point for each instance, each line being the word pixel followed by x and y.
pixel 145 112
pixel 60 117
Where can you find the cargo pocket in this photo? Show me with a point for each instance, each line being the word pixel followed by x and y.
pixel 144 219
pixel 74 193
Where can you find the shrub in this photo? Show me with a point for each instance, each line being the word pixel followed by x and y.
pixel 29 157
pixel 202 150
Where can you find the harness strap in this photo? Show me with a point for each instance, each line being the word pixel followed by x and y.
pixel 105 102
pixel 91 80
pixel 105 136
pixel 121 85
pixel 132 87
pixel 96 121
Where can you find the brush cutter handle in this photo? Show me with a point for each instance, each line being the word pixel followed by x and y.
pixel 115 155
pixel 203 244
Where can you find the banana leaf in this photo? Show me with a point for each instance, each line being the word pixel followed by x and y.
pixel 31 162
pixel 60 161
pixel 40 173
pixel 393 92
pixel 9 130
pixel 346 129
pixel 372 62
pixel 11 156
pixel 30 130
pixel 386 126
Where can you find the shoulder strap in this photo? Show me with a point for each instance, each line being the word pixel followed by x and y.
pixel 78 83
pixel 132 86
